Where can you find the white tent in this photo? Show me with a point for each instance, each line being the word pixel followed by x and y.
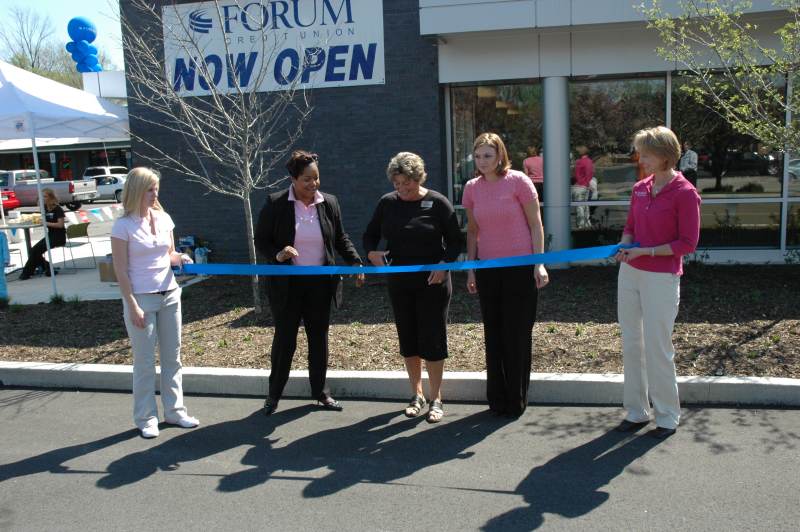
pixel 34 107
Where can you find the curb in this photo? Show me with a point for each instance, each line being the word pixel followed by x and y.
pixel 561 388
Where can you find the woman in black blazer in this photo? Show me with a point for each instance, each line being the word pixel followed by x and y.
pixel 302 226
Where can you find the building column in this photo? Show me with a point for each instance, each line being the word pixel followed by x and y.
pixel 556 163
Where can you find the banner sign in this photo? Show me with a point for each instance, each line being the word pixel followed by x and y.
pixel 272 45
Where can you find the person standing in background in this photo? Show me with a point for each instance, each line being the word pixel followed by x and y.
pixel 534 168
pixel 584 171
pixel 688 163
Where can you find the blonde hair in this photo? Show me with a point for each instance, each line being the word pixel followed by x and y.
pixel 50 198
pixel 138 181
pixel 659 141
pixel 409 164
pixel 493 140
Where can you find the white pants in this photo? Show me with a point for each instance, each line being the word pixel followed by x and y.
pixel 162 317
pixel 579 193
pixel 647 304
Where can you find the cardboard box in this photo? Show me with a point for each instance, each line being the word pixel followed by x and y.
pixel 106 268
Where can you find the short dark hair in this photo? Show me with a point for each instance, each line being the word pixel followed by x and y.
pixel 299 160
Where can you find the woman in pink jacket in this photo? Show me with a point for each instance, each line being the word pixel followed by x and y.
pixel 664 219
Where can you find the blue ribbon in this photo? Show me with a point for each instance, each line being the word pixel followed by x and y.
pixel 552 257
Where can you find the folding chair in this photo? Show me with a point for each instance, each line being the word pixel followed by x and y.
pixel 74 232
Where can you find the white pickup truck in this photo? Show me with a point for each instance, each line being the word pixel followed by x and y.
pixel 69 193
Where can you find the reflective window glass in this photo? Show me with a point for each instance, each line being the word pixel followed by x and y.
pixel 604 116
pixel 512 111
pixel 740 225
pixel 728 163
pixel 793 225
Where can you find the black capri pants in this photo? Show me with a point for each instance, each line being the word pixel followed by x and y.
pixel 420 314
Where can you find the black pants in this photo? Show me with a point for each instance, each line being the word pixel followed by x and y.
pixel 508 298
pixel 691 176
pixel 36 257
pixel 309 300
pixel 420 314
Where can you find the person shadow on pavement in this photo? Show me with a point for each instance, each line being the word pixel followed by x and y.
pixel 197 444
pixel 569 484
pixel 372 451
pixel 53 461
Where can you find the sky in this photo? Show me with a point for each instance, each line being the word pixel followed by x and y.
pixel 103 13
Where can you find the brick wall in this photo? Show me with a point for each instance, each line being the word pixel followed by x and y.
pixel 355 130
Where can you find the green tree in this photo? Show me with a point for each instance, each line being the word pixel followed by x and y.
pixel 727 69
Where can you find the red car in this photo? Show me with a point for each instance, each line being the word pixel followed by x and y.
pixel 10 200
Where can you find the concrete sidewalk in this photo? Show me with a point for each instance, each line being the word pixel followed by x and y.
pixel 546 388
pixel 80 279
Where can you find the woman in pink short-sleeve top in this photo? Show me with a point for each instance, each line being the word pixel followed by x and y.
pixel 504 220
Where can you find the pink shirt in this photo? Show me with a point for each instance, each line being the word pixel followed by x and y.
pixel 672 217
pixel 534 167
pixel 149 267
pixel 307 232
pixel 584 171
pixel 497 207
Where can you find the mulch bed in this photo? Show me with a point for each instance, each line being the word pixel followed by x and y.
pixel 733 320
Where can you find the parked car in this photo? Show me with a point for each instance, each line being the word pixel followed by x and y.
pixel 794 169
pixel 109 187
pixel 9 199
pixel 739 163
pixel 96 171
pixel 69 193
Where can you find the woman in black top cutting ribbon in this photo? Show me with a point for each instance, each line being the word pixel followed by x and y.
pixel 420 227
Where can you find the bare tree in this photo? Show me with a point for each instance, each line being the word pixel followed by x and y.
pixel 232 135
pixel 27 37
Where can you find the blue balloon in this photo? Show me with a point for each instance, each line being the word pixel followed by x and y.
pixel 97 68
pixel 82 29
pixel 77 57
pixel 83 68
pixel 82 47
pixel 71 46
pixel 92 50
pixel 90 60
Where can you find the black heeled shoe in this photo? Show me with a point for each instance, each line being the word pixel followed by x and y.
pixel 329 403
pixel 270 406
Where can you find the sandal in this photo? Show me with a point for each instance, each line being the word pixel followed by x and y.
pixel 415 407
pixel 435 412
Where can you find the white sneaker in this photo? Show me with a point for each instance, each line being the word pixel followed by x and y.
pixel 150 430
pixel 185 421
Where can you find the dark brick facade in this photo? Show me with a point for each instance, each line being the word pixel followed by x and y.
pixel 355 130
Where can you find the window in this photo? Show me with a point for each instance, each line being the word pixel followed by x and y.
pixel 512 111
pixel 91 172
pixel 730 164
pixel 793 226
pixel 604 116
pixel 740 225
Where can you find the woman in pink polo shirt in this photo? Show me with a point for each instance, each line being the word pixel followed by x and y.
pixel 144 253
pixel 664 219
pixel 503 220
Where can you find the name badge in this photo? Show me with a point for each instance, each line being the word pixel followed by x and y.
pixel 427 204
